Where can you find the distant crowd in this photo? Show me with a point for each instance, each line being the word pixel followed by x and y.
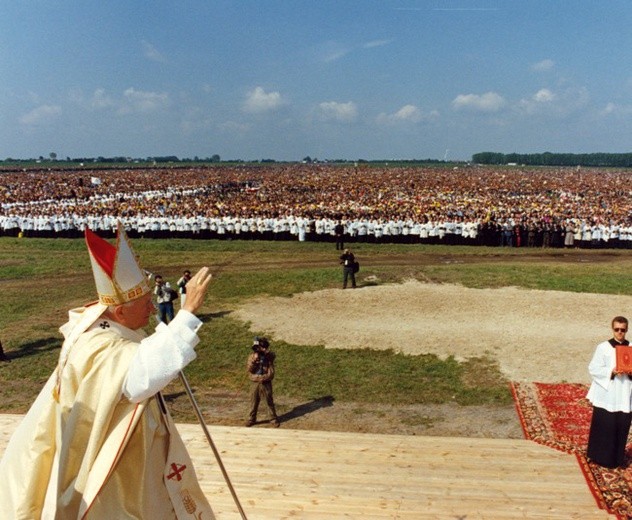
pixel 509 207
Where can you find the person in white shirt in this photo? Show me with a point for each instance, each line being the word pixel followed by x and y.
pixel 182 286
pixel 610 394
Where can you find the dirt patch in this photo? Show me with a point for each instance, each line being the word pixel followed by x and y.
pixel 448 420
pixel 545 336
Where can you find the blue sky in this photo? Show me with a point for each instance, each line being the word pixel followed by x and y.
pixel 389 79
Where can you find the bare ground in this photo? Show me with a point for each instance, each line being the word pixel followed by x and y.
pixel 545 336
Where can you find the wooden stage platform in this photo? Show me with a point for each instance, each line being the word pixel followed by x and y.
pixel 296 474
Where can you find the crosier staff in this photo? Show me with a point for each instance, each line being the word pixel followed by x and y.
pixel 198 412
pixel 196 290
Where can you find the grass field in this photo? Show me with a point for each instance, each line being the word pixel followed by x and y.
pixel 42 279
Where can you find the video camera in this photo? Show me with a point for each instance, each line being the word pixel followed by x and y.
pixel 260 343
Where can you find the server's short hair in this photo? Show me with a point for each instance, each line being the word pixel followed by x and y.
pixel 619 319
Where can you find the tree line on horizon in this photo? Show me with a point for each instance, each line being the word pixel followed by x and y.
pixel 618 160
pixel 130 162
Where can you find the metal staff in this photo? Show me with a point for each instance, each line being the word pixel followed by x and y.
pixel 200 417
pixel 198 412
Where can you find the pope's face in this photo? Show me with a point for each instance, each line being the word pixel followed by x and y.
pixel 137 313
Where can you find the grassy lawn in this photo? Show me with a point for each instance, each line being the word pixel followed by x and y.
pixel 42 279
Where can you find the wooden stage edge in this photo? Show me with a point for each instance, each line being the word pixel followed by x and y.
pixel 280 473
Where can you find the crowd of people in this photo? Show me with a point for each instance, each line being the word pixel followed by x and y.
pixel 473 205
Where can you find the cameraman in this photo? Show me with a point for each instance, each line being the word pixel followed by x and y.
pixel 182 286
pixel 261 373
pixel 348 262
pixel 164 299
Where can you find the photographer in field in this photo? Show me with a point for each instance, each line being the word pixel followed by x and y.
pixel 349 268
pixel 261 373
pixel 165 296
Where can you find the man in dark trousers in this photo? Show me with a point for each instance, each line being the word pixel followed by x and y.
pixel 347 259
pixel 610 395
pixel 339 231
pixel 261 373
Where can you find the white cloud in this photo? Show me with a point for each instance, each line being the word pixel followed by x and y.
pixel 612 109
pixel 101 100
pixel 376 43
pixel 128 102
pixel 258 100
pixel 151 53
pixel 333 51
pixel 577 97
pixel 543 96
pixel 408 113
pixel 41 115
pixel 488 102
pixel 537 102
pixel 141 101
pixel 544 101
pixel 543 65
pixel 335 55
pixel 334 111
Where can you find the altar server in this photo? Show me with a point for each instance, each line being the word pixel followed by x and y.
pixel 610 394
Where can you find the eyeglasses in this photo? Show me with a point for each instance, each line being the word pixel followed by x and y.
pixel 616 329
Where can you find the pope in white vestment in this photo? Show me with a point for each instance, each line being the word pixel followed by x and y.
pixel 99 441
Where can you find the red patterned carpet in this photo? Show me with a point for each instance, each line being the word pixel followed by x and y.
pixel 558 415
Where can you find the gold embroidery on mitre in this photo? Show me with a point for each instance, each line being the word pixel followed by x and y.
pixel 125 296
pixel 136 292
pixel 189 503
pixel 107 299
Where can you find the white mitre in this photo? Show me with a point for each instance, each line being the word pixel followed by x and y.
pixel 118 278
pixel 117 275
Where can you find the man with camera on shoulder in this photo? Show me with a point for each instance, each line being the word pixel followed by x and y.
pixel 164 299
pixel 261 373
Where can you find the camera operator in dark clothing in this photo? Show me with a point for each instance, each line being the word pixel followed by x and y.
pixel 261 373
pixel 347 259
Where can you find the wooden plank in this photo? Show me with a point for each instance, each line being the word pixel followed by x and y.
pixel 295 474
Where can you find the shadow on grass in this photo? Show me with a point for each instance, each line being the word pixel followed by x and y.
pixel 34 347
pixel 174 396
pixel 208 317
pixel 305 408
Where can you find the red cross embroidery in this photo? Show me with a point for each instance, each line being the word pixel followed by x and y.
pixel 176 472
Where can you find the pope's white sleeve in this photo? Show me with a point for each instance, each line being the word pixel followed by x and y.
pixel 161 356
